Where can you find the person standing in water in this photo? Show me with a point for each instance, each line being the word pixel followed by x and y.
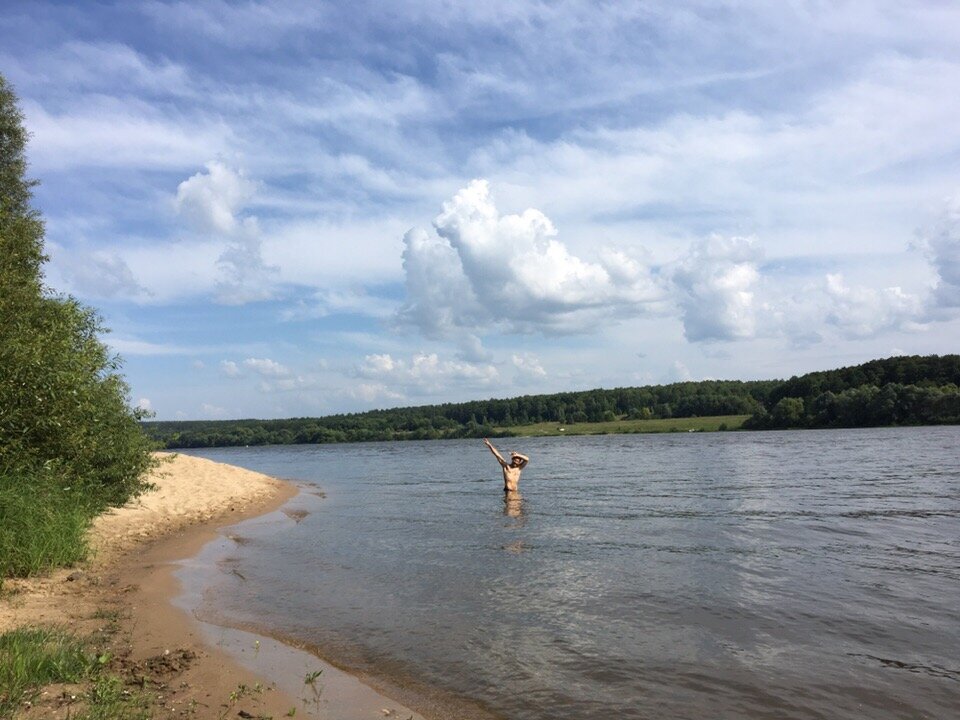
pixel 511 470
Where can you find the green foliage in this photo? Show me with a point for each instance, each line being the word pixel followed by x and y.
pixel 63 406
pixel 788 412
pixel 868 395
pixel 21 252
pixel 65 418
pixel 42 524
pixel 33 657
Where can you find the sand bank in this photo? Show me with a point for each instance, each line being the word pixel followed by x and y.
pixel 123 597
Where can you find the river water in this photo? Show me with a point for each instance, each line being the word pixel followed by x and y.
pixel 810 574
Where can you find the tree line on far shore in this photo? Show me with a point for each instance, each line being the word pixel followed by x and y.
pixel 895 391
pixel 911 390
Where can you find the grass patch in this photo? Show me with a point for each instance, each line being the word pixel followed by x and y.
pixel 42 525
pixel 696 424
pixel 108 699
pixel 33 657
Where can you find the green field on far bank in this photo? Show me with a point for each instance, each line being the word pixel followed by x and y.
pixel 613 427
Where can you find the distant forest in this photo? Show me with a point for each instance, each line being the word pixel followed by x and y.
pixel 915 390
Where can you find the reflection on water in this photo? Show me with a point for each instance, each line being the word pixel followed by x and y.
pixel 513 505
pixel 780 575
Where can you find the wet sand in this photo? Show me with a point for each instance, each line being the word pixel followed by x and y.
pixel 124 597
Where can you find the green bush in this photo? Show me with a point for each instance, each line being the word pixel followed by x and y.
pixel 63 406
pixel 42 524
pixel 70 444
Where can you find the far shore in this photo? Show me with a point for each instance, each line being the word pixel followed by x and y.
pixel 124 594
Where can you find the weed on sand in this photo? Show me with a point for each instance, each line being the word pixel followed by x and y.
pixel 33 657
pixel 108 699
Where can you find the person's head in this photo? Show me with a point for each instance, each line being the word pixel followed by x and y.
pixel 515 460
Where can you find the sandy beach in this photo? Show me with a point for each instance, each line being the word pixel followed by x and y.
pixel 122 597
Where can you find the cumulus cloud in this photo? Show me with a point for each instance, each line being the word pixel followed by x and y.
pixel 211 203
pixel 439 295
pixel 230 369
pixel 479 267
pixel 528 367
pixel 266 367
pixel 145 405
pixel 210 200
pixel 424 372
pixel 716 286
pixel 861 312
pixel 370 392
pixel 943 250
pixel 288 383
pixel 245 276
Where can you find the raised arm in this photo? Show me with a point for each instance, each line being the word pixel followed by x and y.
pixel 494 451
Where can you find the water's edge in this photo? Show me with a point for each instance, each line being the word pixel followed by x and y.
pixel 323 687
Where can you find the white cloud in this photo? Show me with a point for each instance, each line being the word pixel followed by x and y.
pixel 371 392
pixel 210 201
pixel 98 274
pixel 126 345
pixel 481 267
pixel 230 369
pixel 439 296
pixel 119 133
pixel 678 372
pixel 863 312
pixel 245 276
pixel 248 25
pixel 213 412
pixel 109 67
pixel 145 404
pixel 425 373
pixel 844 166
pixel 716 285
pixel 528 367
pixel 266 367
pixel 332 301
pixel 943 249
pixel 288 383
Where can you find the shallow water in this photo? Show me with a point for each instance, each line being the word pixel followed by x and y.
pixel 765 575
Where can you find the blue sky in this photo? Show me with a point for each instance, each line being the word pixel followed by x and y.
pixel 292 209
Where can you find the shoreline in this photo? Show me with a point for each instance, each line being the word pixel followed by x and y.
pixel 126 596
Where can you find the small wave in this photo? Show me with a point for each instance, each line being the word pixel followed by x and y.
pixel 933 670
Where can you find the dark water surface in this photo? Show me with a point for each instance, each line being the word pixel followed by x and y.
pixel 727 575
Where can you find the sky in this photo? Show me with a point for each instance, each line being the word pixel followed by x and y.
pixel 290 209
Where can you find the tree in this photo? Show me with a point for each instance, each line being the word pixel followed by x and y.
pixel 788 412
pixel 64 410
